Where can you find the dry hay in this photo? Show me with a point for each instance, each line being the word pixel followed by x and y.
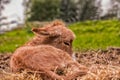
pixel 19 76
pixel 102 64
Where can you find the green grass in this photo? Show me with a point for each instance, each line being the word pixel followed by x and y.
pixel 96 34
pixel 89 35
pixel 11 40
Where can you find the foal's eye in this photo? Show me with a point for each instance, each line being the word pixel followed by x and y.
pixel 67 43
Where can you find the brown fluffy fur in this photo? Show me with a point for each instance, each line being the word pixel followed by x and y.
pixel 46 59
pixel 46 55
pixel 55 34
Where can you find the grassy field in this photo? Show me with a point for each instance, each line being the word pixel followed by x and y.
pixel 89 35
pixel 96 34
pixel 11 40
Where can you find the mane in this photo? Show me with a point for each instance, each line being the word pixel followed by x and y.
pixel 57 23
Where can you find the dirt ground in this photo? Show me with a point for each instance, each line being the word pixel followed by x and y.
pixel 102 64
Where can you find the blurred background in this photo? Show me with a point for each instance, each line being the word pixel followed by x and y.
pixel 15 14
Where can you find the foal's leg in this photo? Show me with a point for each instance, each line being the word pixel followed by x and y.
pixel 76 70
pixel 53 75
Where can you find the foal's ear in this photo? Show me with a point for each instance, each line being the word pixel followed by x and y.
pixel 45 32
pixel 36 30
pixel 39 31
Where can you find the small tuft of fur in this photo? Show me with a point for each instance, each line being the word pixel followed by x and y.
pixel 57 23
